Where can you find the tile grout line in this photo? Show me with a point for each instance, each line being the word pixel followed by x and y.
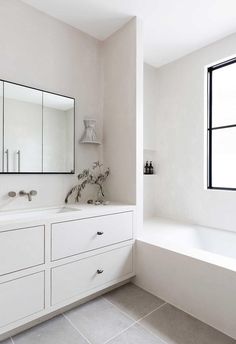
pixel 124 330
pixel 154 334
pixel 115 306
pixel 136 322
pixel 148 330
pixel 163 304
pixel 71 323
pixel 118 334
pixel 129 316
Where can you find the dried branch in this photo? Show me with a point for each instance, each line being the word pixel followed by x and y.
pixel 89 177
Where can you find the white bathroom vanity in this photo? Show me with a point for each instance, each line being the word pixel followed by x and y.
pixel 52 258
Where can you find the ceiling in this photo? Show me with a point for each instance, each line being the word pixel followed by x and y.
pixel 172 28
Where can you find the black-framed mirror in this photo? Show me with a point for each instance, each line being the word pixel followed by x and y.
pixel 37 131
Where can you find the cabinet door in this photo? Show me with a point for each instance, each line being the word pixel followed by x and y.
pixel 72 279
pixel 21 297
pixel 21 249
pixel 73 237
pixel 22 129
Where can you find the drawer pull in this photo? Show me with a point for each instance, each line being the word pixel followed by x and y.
pixel 99 271
pixel 99 233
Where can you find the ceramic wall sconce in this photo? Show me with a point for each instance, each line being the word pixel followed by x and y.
pixel 89 135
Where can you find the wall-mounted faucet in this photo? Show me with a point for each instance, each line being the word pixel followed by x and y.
pixel 28 194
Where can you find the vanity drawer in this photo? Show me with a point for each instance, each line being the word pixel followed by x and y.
pixel 21 297
pixel 21 248
pixel 72 279
pixel 74 237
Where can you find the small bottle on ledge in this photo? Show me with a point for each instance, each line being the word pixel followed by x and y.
pixel 151 169
pixel 146 168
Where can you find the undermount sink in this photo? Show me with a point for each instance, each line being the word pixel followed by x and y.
pixel 14 215
pixel 55 210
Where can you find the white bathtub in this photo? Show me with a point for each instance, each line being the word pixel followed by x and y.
pixel 191 267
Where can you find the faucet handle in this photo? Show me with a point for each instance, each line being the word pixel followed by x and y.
pixel 12 194
pixel 33 193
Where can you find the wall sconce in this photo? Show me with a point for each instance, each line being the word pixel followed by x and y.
pixel 89 135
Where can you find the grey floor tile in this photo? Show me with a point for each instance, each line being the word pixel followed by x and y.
pixel 133 300
pixel 136 335
pixel 177 327
pixel 7 341
pixel 54 331
pixel 98 320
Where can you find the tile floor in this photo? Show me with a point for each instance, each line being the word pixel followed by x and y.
pixel 127 315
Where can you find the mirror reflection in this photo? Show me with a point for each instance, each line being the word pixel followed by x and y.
pixel 22 129
pixel 58 133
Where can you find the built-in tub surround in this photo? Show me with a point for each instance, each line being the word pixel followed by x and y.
pixel 51 258
pixel 191 267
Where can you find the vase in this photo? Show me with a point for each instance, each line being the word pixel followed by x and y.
pixel 100 195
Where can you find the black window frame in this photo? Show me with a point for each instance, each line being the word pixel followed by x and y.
pixel 210 128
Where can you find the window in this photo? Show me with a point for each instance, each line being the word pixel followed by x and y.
pixel 222 126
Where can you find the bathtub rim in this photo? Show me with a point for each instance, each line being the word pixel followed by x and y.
pixel 194 253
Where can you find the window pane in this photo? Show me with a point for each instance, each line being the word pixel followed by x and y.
pixel 224 158
pixel 224 96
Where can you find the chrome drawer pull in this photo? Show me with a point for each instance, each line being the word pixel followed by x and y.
pixel 99 233
pixel 99 271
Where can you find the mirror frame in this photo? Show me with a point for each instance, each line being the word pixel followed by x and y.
pixel 43 91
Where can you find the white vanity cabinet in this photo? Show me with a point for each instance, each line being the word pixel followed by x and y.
pixel 46 265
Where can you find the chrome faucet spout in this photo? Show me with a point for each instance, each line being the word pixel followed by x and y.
pixel 23 193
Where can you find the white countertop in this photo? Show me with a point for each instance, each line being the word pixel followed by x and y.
pixel 37 216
